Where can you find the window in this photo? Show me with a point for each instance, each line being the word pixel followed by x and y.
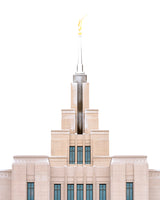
pixel 57 192
pixel 30 191
pixel 71 155
pixel 70 192
pixel 79 155
pixel 79 191
pixel 129 191
pixel 87 155
pixel 102 192
pixel 89 192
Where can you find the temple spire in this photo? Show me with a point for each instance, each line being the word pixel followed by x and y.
pixel 80 78
pixel 80 62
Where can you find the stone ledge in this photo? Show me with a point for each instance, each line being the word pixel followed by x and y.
pixel 94 131
pixel 91 111
pixel 66 111
pixel 129 159
pixel 65 131
pixel 30 156
pixel 106 157
pixel 129 156
pixel 58 157
pixel 23 159
pixel 5 170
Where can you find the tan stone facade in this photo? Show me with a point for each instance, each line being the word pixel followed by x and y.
pixel 101 169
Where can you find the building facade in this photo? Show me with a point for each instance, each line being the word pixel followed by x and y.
pixel 80 167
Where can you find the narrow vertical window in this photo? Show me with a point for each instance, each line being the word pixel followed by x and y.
pixel 79 155
pixel 57 191
pixel 89 192
pixel 102 192
pixel 71 155
pixel 79 191
pixel 70 192
pixel 129 191
pixel 30 191
pixel 87 155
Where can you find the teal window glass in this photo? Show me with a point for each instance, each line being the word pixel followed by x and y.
pixel 87 155
pixel 79 191
pixel 71 155
pixel 89 192
pixel 79 155
pixel 30 191
pixel 57 191
pixel 70 192
pixel 129 191
pixel 102 192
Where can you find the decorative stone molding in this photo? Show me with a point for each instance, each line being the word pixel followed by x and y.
pixel 129 169
pixel 129 159
pixel 31 159
pixel 5 174
pixel 30 178
pixel 41 178
pixel 30 169
pixel 129 178
pixel 154 174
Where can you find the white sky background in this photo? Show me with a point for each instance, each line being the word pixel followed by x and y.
pixel 38 56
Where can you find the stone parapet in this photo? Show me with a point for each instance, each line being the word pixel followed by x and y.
pixel 30 169
pixel 154 184
pixel 5 184
pixel 129 169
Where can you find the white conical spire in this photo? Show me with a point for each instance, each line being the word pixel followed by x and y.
pixel 80 62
